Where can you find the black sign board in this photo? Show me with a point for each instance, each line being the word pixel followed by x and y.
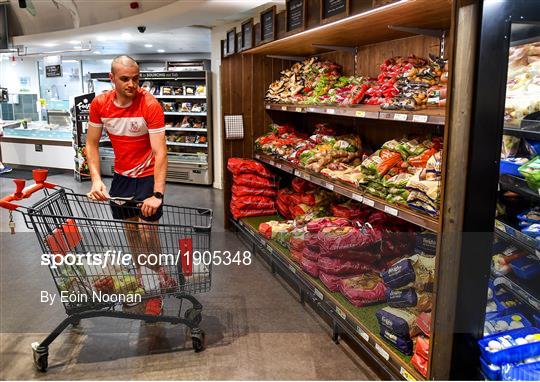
pixel 247 34
pixel 3 27
pixel 333 9
pixel 231 42
pixel 296 15
pixel 239 42
pixel 82 107
pixel 171 75
pixel 268 25
pixel 53 71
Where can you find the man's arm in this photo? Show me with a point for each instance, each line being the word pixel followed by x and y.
pixel 99 190
pixel 159 149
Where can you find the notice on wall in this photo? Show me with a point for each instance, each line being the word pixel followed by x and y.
pixel 247 35
pixel 333 8
pixel 295 14
pixel 268 25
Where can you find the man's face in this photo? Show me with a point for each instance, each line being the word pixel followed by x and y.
pixel 125 80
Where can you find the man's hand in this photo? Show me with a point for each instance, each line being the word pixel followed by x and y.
pixel 98 191
pixel 150 206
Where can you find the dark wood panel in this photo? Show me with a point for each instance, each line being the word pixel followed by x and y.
pixel 370 57
pixel 313 13
pixel 345 59
pixel 359 6
pixel 281 27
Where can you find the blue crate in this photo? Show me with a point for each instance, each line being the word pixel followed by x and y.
pixel 511 354
pixel 527 267
pixel 491 372
pixel 491 327
pixel 521 371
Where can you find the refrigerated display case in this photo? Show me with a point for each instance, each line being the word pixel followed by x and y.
pixel 505 202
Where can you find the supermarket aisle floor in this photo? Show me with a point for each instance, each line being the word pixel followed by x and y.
pixel 255 327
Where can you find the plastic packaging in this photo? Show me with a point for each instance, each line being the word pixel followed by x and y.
pixel 491 372
pixel 404 345
pixel 342 267
pixel 318 224
pixel 528 370
pixel 330 281
pixel 300 185
pixel 247 166
pixel 250 191
pixel 512 346
pixel 422 347
pixel 254 181
pixel 511 165
pixel 252 202
pixel 311 255
pixel 423 322
pixel 310 267
pixel 526 267
pixel 401 322
pixel 237 213
pixel 420 364
pixel 364 289
pixel 531 172
pixel 348 242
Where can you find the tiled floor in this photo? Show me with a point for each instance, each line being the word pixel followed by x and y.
pixel 255 327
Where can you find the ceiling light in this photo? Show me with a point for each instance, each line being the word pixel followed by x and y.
pixel 50 44
pixel 126 36
pixel 97 52
pixel 161 51
pixel 101 38
pixel 148 45
pixel 74 42
pixel 77 47
pixel 70 61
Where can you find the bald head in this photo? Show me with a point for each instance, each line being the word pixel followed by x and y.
pixel 123 60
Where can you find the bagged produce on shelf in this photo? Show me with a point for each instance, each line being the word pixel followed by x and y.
pixel 251 191
pixel 510 146
pixel 342 267
pixel 349 242
pixel 403 344
pixel 350 210
pixel 297 256
pixel 345 173
pixel 310 267
pixel 364 289
pixel 409 298
pixel 297 239
pixel 380 162
pixel 330 281
pixel 423 322
pixel 272 228
pixel 254 181
pixel 420 364
pixel 531 172
pixel 417 271
pixel 247 166
pixel 300 185
pixel 422 347
pixel 239 213
pixel 311 255
pixel 283 209
pixel 401 322
pixel 252 202
pixel 316 225
pixel 311 242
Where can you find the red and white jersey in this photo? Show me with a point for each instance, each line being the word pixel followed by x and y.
pixel 129 128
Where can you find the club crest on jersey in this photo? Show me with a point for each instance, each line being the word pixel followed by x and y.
pixel 134 127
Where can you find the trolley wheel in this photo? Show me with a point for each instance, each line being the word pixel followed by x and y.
pixel 198 341
pixel 41 356
pixel 193 315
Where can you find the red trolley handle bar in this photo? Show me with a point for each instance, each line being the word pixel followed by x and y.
pixel 22 192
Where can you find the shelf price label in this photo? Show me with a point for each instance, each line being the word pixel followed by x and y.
pixel 331 111
pixel 369 202
pixel 341 313
pixel 391 211
pixel 311 109
pixel 499 225
pixel 318 293
pixel 400 117
pixel 292 269
pixel 361 114
pixel 382 352
pixel 329 186
pixel 284 108
pixel 268 106
pixel 277 165
pixel 298 109
pixel 420 118
pixel 257 156
pixel 362 334
pixel 357 197
pixel 269 247
pixel 271 162
pixel 406 374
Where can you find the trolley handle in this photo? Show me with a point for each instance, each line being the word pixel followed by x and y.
pixel 22 192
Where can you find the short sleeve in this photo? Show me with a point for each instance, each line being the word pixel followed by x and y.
pixel 155 119
pixel 95 114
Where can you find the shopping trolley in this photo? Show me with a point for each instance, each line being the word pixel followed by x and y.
pixel 126 283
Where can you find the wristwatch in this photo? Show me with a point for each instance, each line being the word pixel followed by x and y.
pixel 158 195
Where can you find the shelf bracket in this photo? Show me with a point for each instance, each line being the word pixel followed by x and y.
pixel 290 58
pixel 440 33
pixel 337 48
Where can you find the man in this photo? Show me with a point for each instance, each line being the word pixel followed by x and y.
pixel 135 124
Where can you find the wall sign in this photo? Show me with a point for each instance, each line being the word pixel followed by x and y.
pixel 53 71
pixel 296 15
pixel 247 34
pixel 333 9
pixel 239 42
pixel 231 42
pixel 268 25
pixel 82 107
